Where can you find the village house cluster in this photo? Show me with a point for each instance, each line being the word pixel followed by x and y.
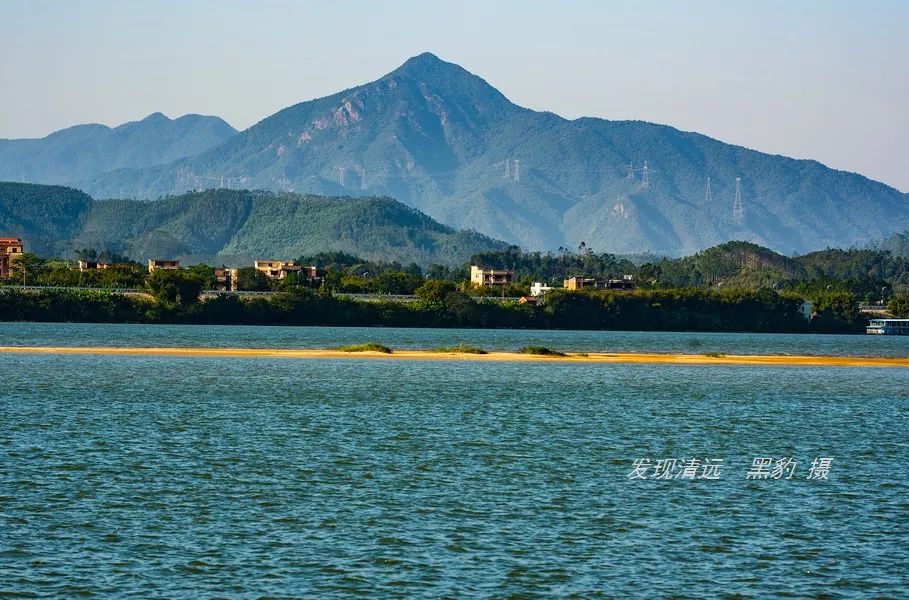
pixel 480 276
pixel 11 248
pixel 502 277
pixel 226 277
pixel 277 270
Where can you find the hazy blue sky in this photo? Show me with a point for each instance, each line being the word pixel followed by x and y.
pixel 811 79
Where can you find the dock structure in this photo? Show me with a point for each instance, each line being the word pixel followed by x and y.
pixel 888 327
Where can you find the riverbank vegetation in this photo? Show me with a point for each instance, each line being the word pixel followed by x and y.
pixel 737 286
pixel 871 275
pixel 669 310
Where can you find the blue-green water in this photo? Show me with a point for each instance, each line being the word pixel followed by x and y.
pixel 231 336
pixel 200 477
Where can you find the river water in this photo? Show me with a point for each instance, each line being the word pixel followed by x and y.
pixel 189 477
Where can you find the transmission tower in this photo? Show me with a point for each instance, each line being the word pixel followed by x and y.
pixel 645 177
pixel 708 195
pixel 630 171
pixel 507 168
pixel 363 179
pixel 341 171
pixel 517 170
pixel 738 211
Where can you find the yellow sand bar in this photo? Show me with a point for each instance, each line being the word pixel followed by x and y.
pixel 592 358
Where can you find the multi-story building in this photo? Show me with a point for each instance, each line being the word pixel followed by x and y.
pixel 490 277
pixel 590 283
pixel 227 279
pixel 539 289
pixel 313 274
pixel 280 269
pixel 10 249
pixel 91 265
pixel 164 264
pixel 277 269
pixel 584 283
pixel 625 283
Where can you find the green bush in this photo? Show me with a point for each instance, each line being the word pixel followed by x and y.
pixel 540 351
pixel 368 347
pixel 460 349
pixel 899 306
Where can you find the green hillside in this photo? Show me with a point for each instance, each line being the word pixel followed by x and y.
pixel 44 215
pixel 231 225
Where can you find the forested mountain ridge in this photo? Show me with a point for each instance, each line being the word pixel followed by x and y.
pixel 867 273
pixel 230 226
pixel 443 140
pixel 85 151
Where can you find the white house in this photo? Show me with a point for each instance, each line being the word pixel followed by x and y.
pixel 538 289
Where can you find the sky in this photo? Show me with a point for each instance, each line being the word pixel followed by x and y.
pixel 826 80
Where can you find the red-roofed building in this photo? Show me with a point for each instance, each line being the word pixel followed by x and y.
pixel 10 249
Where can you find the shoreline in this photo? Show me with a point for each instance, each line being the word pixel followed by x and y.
pixel 578 358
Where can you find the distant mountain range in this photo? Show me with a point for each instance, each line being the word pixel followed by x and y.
pixel 444 141
pixel 85 151
pixel 231 226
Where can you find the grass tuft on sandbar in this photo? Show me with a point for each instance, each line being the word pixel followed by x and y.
pixel 540 351
pixel 459 349
pixel 368 347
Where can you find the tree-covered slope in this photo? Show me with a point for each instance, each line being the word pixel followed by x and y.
pixel 44 215
pixel 231 226
pixel 85 151
pixel 440 139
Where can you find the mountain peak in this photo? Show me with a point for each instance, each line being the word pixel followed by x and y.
pixel 446 142
pixel 155 116
pixel 427 65
pixel 422 60
pixel 449 79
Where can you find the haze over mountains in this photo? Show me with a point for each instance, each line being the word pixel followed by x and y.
pixel 444 141
pixel 85 151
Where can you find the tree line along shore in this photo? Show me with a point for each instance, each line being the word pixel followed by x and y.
pixel 733 287
pixel 441 304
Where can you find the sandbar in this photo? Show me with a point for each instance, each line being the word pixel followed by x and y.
pixel 588 358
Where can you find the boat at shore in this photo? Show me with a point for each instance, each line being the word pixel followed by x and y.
pixel 888 327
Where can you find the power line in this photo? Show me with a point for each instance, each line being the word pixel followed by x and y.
pixel 738 211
